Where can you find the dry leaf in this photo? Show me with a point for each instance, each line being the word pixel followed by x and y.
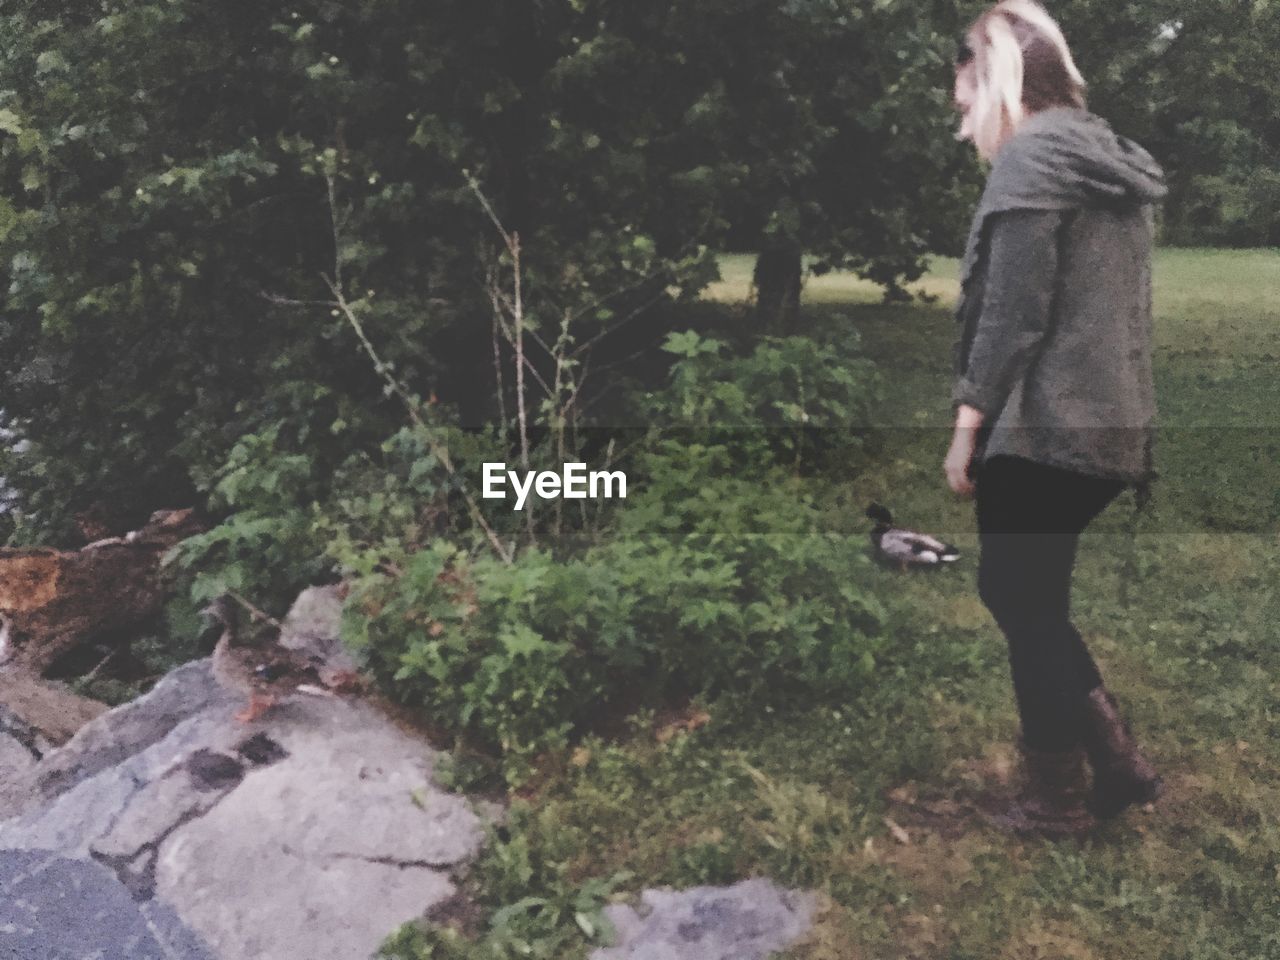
pixel 903 794
pixel 897 832
pixel 943 808
pixel 581 757
pixel 686 724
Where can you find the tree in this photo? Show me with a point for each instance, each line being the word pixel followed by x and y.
pixel 1197 83
pixel 179 182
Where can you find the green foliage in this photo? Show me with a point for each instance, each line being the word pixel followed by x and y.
pixel 711 581
pixel 163 235
pixel 1238 209
pixel 1192 654
pixel 1195 81
pixel 788 397
pixel 272 543
pixel 712 584
pixel 468 772
pixel 175 178
pixel 534 909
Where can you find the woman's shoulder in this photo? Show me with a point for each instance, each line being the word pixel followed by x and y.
pixel 1068 156
pixel 1048 133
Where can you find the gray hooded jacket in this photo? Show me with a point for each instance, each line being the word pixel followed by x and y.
pixel 1055 303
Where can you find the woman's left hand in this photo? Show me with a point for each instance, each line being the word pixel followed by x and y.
pixel 956 465
pixel 963 443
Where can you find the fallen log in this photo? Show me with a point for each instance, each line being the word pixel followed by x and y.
pixel 52 601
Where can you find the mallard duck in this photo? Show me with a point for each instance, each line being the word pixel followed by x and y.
pixel 905 547
pixel 251 661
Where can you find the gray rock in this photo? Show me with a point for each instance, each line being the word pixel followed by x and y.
pixel 13 727
pixel 747 921
pixel 276 900
pixel 15 758
pixel 54 908
pixel 130 729
pixel 314 625
pixel 339 755
pixel 313 833
pixel 17 791
pixel 20 748
pixel 73 819
pixel 157 809
pixel 351 808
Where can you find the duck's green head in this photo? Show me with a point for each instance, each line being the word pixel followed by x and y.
pixel 880 515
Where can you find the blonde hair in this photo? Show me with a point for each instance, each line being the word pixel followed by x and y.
pixel 1021 64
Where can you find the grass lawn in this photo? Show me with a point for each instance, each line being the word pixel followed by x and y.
pixel 1182 614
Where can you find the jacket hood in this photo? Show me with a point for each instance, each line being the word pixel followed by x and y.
pixel 1061 159
pixel 1069 152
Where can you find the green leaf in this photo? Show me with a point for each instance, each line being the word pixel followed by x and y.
pixel 50 61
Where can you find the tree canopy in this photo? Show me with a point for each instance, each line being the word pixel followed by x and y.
pixel 180 182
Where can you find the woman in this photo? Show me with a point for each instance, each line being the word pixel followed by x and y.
pixel 1053 391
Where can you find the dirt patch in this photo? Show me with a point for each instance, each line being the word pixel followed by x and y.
pixel 949 809
pixel 53 711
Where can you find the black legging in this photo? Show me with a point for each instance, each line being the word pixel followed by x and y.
pixel 1030 517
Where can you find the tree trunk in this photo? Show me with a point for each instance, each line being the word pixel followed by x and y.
pixel 777 281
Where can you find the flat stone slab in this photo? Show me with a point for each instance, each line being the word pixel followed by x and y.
pixel 314 832
pixel 348 826
pixel 53 908
pixel 748 921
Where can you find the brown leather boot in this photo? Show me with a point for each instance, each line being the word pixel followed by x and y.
pixel 1052 801
pixel 1122 776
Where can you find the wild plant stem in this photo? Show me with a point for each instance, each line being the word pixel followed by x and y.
pixel 412 405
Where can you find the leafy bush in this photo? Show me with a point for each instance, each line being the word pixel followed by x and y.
pixel 289 522
pixel 176 176
pixel 789 398
pixel 272 542
pixel 712 579
pixel 1237 209
pixel 712 584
